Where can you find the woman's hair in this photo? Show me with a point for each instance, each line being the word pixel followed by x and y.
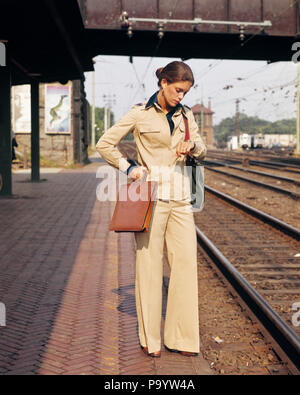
pixel 175 72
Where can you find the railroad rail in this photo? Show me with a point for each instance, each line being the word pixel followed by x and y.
pixel 275 188
pixel 271 220
pixel 260 153
pixel 247 263
pixel 260 173
pixel 264 174
pixel 238 158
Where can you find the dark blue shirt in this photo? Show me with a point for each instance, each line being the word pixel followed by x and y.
pixel 153 99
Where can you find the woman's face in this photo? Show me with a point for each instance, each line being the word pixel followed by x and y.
pixel 175 92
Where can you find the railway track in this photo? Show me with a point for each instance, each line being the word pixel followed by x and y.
pixel 260 263
pixel 289 165
pixel 261 154
pixel 260 179
pixel 261 173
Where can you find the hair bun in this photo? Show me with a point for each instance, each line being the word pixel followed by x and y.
pixel 158 72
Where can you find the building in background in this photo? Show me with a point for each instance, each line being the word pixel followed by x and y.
pixel 64 121
pixel 207 133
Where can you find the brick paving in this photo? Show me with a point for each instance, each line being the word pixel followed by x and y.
pixel 68 284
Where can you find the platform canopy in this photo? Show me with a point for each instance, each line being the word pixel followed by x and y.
pixel 44 39
pixel 215 29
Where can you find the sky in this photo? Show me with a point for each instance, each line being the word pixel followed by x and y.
pixel 267 91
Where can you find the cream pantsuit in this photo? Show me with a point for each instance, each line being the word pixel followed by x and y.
pixel 172 221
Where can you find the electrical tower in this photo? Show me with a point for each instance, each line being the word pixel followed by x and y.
pixel 237 117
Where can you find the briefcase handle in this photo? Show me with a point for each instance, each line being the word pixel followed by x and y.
pixel 141 179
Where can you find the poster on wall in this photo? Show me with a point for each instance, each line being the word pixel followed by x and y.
pixel 21 109
pixel 57 109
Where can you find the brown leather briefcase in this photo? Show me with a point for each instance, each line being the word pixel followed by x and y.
pixel 134 206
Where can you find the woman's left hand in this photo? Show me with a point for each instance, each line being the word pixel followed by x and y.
pixel 184 148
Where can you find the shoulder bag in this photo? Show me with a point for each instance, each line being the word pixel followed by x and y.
pixel 195 171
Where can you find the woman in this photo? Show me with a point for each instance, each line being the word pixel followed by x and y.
pixel 158 128
pixel 13 145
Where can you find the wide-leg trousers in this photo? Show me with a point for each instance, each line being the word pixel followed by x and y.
pixel 173 222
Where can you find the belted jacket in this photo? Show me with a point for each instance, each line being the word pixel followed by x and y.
pixel 156 146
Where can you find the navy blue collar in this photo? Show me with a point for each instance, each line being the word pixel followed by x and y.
pixel 153 99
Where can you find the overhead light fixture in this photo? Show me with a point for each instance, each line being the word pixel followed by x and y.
pixel 127 22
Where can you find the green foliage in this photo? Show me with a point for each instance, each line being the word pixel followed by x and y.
pixel 252 125
pixel 99 121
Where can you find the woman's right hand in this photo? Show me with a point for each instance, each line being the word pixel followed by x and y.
pixel 137 172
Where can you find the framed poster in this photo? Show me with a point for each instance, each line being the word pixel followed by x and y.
pixel 21 108
pixel 57 109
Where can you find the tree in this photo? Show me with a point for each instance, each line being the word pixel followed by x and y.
pixel 252 125
pixel 99 121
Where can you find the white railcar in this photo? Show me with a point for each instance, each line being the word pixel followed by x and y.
pixel 245 141
pixel 257 140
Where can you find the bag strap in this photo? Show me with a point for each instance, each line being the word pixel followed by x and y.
pixel 187 134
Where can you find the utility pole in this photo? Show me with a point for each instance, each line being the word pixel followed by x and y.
pixel 105 118
pixel 93 110
pixel 109 100
pixel 108 117
pixel 297 152
pixel 237 118
pixel 202 113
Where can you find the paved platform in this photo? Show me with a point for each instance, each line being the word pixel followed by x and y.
pixel 67 284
